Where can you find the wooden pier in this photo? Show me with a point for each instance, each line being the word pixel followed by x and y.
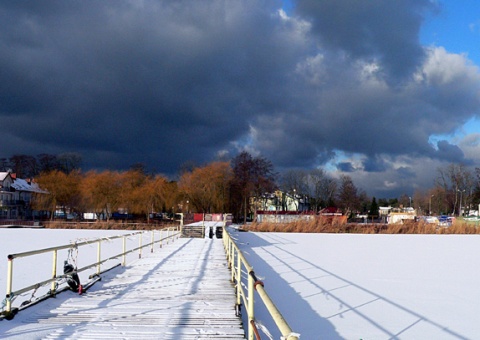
pixel 180 292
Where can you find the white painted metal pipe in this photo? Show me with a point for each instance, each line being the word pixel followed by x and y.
pixel 54 272
pixel 99 256
pixel 9 285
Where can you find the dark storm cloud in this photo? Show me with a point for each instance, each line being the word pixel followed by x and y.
pixel 375 164
pixel 351 109
pixel 451 152
pixel 385 30
pixel 345 167
pixel 175 80
pixel 166 82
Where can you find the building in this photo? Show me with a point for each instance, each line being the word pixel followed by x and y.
pixel 401 215
pixel 280 201
pixel 6 195
pixel 16 197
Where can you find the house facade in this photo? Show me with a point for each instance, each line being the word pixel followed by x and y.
pixel 279 201
pixel 16 197
pixel 6 195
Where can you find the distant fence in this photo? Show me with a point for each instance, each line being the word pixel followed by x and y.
pixel 189 218
pixel 20 223
pixel 295 216
pixel 191 226
pixel 121 225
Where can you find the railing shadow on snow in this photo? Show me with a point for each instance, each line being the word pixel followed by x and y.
pixel 287 260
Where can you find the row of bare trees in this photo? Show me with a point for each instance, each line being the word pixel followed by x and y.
pixel 321 190
pixel 456 187
pixel 215 187
pixel 105 192
pixel 226 186
pixel 456 190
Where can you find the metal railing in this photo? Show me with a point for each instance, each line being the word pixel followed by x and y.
pixel 9 312
pixel 238 265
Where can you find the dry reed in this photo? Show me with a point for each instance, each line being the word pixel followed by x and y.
pixel 322 226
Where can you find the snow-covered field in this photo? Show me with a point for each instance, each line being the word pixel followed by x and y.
pixel 336 286
pixel 344 286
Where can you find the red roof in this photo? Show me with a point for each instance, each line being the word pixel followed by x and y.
pixel 330 210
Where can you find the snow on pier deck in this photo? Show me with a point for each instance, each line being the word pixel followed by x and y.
pixel 180 292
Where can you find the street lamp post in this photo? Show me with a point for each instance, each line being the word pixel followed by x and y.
pixel 430 206
pixel 460 207
pixel 295 198
pixel 410 201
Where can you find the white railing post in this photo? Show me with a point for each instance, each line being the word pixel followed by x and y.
pixel 124 251
pixel 152 239
pixel 140 245
pixel 99 256
pixel 161 239
pixel 54 272
pixel 227 249
pixel 239 278
pixel 250 307
pixel 231 265
pixel 8 305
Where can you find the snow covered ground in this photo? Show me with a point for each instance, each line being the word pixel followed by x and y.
pixel 344 286
pixel 337 286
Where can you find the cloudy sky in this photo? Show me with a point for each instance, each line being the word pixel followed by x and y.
pixel 383 91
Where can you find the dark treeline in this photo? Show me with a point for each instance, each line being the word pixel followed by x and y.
pixel 229 186
pixel 27 166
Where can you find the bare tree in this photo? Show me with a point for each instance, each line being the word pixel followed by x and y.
pixel 47 162
pixel 252 176
pixel 69 161
pixel 454 182
pixel 207 187
pixel 348 198
pixel 24 166
pixel 321 188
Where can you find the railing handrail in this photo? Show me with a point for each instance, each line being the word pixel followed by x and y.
pixel 234 253
pixel 10 294
pixel 70 245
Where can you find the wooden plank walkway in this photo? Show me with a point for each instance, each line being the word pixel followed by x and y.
pixel 180 292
